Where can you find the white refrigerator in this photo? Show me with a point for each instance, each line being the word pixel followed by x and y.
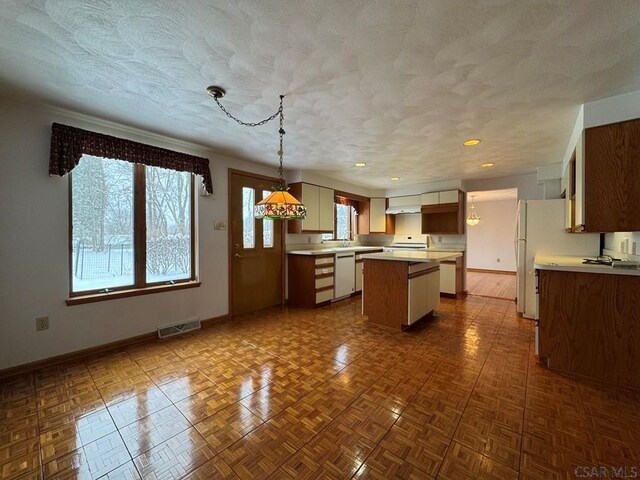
pixel 540 230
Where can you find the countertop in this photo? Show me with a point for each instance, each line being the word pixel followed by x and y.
pixel 413 256
pixel 326 251
pixel 568 263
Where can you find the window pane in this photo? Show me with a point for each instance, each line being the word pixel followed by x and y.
pixel 343 222
pixel 248 222
pixel 327 236
pixel 102 239
pixel 168 206
pixel 267 227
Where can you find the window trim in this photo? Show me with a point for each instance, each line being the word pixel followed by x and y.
pixel 140 286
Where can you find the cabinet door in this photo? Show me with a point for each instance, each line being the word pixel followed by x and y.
pixel 612 177
pixel 417 301
pixel 404 201
pixel 448 278
pixel 450 196
pixel 377 220
pixel 432 198
pixel 358 275
pixel 311 200
pixel 326 210
pixel 433 292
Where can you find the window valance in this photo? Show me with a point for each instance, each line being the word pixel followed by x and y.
pixel 68 144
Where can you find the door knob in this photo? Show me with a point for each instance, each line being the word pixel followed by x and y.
pixel 237 255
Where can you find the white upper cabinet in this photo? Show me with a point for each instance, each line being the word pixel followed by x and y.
pixel 311 200
pixel 325 209
pixel 377 220
pixel 432 198
pixel 405 201
pixel 450 196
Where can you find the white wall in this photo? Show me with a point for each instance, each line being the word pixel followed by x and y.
pixel 34 246
pixel 527 185
pixel 492 238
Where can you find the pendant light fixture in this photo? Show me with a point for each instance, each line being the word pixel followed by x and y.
pixel 280 204
pixel 473 218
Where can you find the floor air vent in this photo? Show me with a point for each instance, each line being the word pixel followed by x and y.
pixel 178 328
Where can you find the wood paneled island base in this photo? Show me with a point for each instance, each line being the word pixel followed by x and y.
pixel 398 293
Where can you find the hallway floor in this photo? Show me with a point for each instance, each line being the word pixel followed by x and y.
pixel 494 285
pixel 301 394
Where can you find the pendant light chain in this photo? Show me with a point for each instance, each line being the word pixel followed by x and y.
pixel 248 124
pixel 281 151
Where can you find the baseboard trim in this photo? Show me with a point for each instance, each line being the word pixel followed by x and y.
pixel 484 270
pixel 87 352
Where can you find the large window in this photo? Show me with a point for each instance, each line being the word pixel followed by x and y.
pixel 132 226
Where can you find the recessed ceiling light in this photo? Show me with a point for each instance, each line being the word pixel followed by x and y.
pixel 360 164
pixel 394 179
pixel 471 142
pixel 487 165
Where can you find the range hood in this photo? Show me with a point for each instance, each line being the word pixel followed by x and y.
pixel 403 209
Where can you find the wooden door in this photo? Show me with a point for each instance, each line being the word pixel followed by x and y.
pixel 256 273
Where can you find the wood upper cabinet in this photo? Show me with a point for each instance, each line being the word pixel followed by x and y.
pixel 447 217
pixel 611 178
pixel 319 203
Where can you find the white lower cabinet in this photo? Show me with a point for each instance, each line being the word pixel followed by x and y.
pixel 424 292
pixel 448 278
pixel 344 274
pixel 359 276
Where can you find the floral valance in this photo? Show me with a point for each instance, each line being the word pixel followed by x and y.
pixel 68 144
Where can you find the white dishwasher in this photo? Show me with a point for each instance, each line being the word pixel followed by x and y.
pixel 345 276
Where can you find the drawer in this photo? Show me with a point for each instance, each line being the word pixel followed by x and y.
pixel 419 267
pixel 323 271
pixel 324 282
pixel 324 261
pixel 324 296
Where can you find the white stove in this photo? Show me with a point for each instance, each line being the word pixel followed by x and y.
pixel 405 247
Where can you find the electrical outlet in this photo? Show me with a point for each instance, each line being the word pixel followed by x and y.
pixel 498 259
pixel 309 239
pixel 42 323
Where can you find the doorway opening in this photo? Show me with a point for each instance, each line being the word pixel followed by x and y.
pixel 491 257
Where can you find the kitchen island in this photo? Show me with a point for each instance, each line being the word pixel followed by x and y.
pixel 400 288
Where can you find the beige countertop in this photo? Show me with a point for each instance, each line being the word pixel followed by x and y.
pixel 326 251
pixel 413 256
pixel 568 263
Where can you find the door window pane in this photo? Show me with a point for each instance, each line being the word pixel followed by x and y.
pixel 102 223
pixel 267 227
pixel 343 222
pixel 248 222
pixel 168 212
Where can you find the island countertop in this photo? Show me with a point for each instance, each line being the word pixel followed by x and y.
pixel 412 256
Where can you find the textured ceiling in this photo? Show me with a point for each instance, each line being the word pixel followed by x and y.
pixel 396 84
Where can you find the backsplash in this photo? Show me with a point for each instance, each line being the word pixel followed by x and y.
pixel 620 244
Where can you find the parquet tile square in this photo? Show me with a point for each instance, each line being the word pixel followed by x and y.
pixel 225 427
pixel 186 386
pixel 214 469
pixel 105 455
pixel 127 388
pixel 421 445
pixel 383 465
pixel 258 454
pixel 204 404
pixel 464 463
pixel 19 458
pixel 138 407
pixel 153 430
pixel 176 457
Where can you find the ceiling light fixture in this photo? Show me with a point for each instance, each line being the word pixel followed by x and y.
pixel 487 165
pixel 471 142
pixel 280 204
pixel 394 179
pixel 473 218
pixel 360 164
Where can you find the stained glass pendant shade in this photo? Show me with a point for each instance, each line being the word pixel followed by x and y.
pixel 280 204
